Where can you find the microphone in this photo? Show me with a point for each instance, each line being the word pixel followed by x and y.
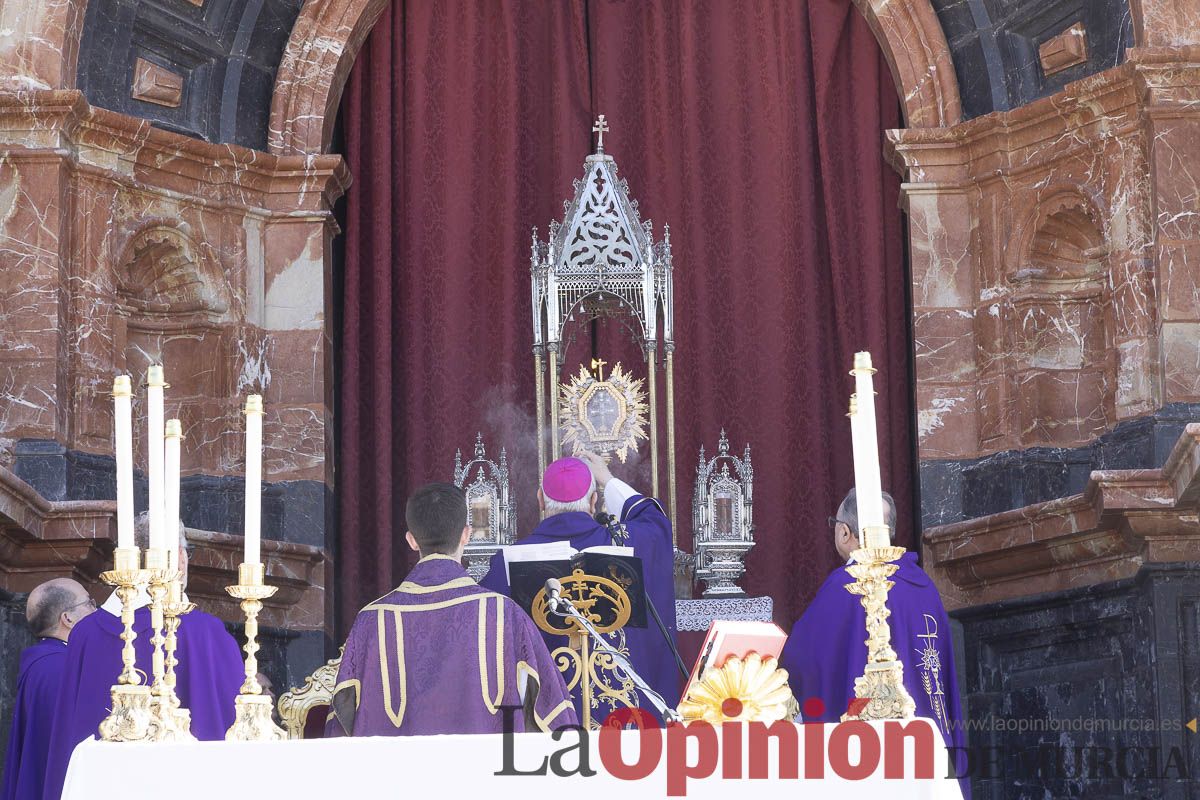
pixel 553 593
pixel 616 531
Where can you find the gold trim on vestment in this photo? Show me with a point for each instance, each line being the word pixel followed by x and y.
pixel 524 670
pixel 544 724
pixel 499 650
pixel 453 601
pixel 484 684
pixel 397 716
pixel 415 588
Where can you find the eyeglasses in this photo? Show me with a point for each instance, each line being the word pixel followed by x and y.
pixel 833 521
pixel 88 602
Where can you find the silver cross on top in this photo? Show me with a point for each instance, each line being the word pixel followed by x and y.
pixel 600 128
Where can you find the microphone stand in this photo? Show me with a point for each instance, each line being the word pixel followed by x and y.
pixel 558 602
pixel 619 535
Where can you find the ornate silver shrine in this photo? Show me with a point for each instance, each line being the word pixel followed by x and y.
pixel 602 261
pixel 723 519
pixel 490 512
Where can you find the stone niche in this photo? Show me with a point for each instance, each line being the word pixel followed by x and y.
pixel 122 245
pixel 1055 319
pixel 1061 375
pixel 173 308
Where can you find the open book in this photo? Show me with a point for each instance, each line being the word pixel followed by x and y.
pixel 727 638
pixel 528 566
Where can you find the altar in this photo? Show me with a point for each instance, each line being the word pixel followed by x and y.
pixel 466 766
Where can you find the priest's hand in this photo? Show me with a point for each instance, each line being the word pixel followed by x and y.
pixel 599 469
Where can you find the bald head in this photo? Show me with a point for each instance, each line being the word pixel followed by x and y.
pixel 54 607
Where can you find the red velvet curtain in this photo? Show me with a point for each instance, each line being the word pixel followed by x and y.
pixel 754 129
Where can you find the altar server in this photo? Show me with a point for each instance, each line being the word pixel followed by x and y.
pixel 568 497
pixel 827 647
pixel 53 609
pixel 209 674
pixel 440 654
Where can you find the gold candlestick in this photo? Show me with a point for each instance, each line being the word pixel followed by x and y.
pixel 882 681
pixel 253 722
pixel 169 723
pixel 130 718
pixel 174 608
pixel 156 570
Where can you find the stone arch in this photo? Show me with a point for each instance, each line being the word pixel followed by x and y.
pixel 316 63
pixel 329 33
pixel 915 46
pixel 163 270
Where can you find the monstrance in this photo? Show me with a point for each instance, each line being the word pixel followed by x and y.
pixel 602 262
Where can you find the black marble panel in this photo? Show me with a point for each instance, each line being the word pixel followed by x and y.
pixel 292 511
pixel 227 52
pixel 994 44
pixel 1087 693
pixel 954 490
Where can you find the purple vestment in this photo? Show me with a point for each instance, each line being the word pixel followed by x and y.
pixel 29 738
pixel 441 655
pixel 827 649
pixel 650 536
pixel 208 677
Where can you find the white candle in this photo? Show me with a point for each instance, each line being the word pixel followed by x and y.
pixel 857 443
pixel 174 435
pixel 252 522
pixel 154 444
pixel 123 425
pixel 867 483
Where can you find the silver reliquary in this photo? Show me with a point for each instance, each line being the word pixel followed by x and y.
pixel 723 519
pixel 490 512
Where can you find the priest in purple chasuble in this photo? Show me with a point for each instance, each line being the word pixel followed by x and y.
pixel 208 676
pixel 827 647
pixel 568 497
pixel 53 609
pixel 440 655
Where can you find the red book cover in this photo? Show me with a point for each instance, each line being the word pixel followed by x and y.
pixel 727 638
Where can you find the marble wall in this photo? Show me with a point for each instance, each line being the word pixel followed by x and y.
pixel 1055 317
pixel 1051 192
pixel 122 245
pixel 1057 352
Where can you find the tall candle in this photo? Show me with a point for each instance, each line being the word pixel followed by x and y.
pixel 174 435
pixel 123 424
pixel 867 483
pixel 251 530
pixel 857 444
pixel 154 444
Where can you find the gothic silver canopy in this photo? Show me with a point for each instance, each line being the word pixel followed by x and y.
pixel 602 262
pixel 601 253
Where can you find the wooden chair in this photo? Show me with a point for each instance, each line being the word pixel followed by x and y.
pixel 304 710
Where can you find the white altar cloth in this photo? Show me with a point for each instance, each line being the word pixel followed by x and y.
pixel 451 767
